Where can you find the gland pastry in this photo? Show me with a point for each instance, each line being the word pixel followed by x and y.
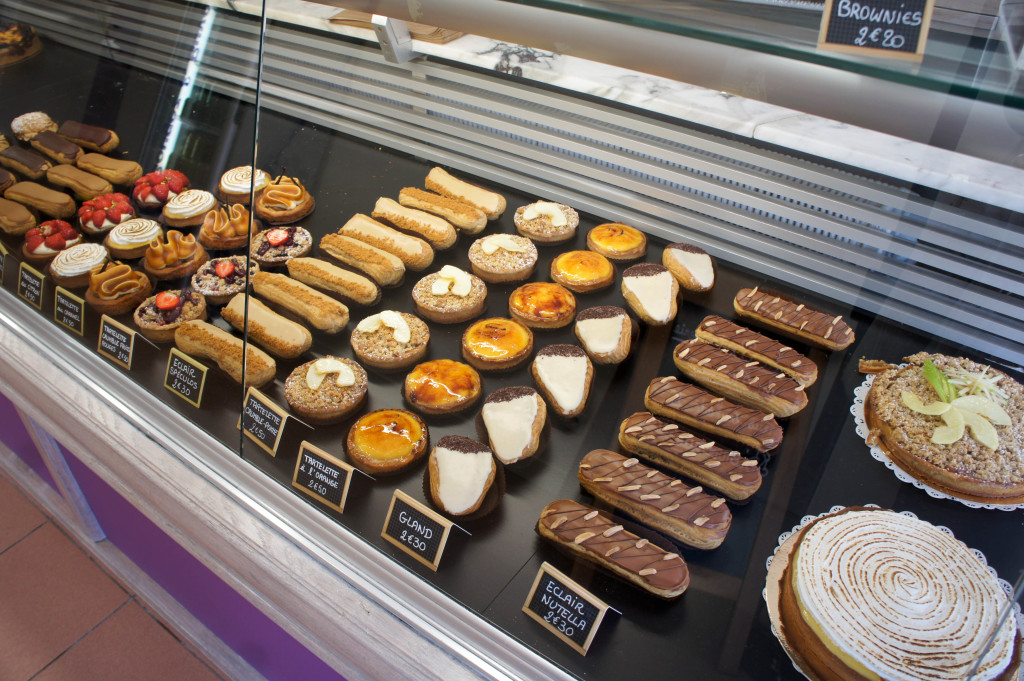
pixel 546 222
pixel 239 184
pixel 564 374
pixel 499 258
pixel 44 242
pixel 277 246
pixel 115 288
pixel 178 256
pixel 188 208
pixel 220 279
pixel 496 343
pixel 442 386
pixel 159 316
pixel 326 390
pixel 542 305
pixel 71 267
pixel 131 238
pixel 461 472
pixel 582 271
pixel 652 292
pixel 691 266
pixel 450 295
pixel 153 190
pixel 606 333
pixel 390 339
pixel 617 241
pixel 284 200
pixel 387 440
pixel 103 213
pixel 514 418
pixel 225 229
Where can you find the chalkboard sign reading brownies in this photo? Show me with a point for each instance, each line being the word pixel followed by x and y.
pixel 565 608
pixel 881 28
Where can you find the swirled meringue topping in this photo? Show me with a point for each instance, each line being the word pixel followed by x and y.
pixel 190 203
pixel 134 232
pixel 238 180
pixel 78 259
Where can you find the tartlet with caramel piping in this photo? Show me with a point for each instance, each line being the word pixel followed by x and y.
pixel 116 288
pixel 542 305
pixel 226 229
pixel 582 271
pixel 497 343
pixel 284 200
pixel 387 440
pixel 442 386
pixel 179 256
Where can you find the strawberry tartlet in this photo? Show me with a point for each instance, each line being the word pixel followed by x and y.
pixel 220 279
pixel 274 247
pixel 155 189
pixel 105 212
pixel 44 242
pixel 160 316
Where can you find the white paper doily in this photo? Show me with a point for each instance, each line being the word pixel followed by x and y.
pixel 772 602
pixel 860 394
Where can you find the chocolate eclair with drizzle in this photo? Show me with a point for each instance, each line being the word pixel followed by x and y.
pixel 660 501
pixel 669 445
pixel 793 319
pixel 593 536
pixel 740 379
pixel 668 396
pixel 753 345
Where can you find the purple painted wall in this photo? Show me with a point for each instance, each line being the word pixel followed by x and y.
pixel 14 435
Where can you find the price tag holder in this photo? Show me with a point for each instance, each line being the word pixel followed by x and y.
pixel 30 285
pixel 69 310
pixel 262 421
pixel 896 29
pixel 117 342
pixel 565 608
pixel 322 476
pixel 416 529
pixel 185 377
pixel 3 260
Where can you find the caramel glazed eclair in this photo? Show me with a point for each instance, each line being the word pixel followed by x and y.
pixel 744 380
pixel 670 446
pixel 659 501
pixel 752 345
pixel 668 396
pixel 589 534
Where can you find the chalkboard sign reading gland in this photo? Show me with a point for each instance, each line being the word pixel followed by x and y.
pixel 892 28
pixel 415 529
pixel 564 608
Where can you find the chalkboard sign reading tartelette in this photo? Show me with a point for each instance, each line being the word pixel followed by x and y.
pixel 185 377
pixel 30 285
pixel 262 421
pixel 565 608
pixel 322 476
pixel 117 342
pixel 416 529
pixel 69 310
pixel 881 28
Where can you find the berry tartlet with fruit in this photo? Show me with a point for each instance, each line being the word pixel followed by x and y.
pixel 275 247
pixel 179 256
pixel 43 243
pixel 159 316
pixel 155 189
pixel 221 278
pixel 103 213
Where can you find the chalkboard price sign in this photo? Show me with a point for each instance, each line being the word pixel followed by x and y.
pixel 117 342
pixel 882 28
pixel 565 608
pixel 69 310
pixel 185 377
pixel 322 476
pixel 30 285
pixel 416 529
pixel 262 421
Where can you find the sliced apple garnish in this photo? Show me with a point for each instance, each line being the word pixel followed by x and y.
pixel 981 430
pixel 952 431
pixel 983 407
pixel 914 403
pixel 328 365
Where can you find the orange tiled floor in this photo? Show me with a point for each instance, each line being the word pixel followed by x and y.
pixel 62 618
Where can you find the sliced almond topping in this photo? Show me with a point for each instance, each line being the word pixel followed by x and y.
pixel 836 320
pixel 802 325
pixel 633 429
pixel 666 379
pixel 780 375
pixel 648 497
pixel 650 420
pixel 628 488
pixel 712 464
pixel 559 522
pixel 629 463
pixel 776 299
pixel 590 516
pixel 758 305
pixel 710 323
pixel 611 530
pixel 671 556
pixel 645 438
pixel 651 474
pixel 750 364
pixel 706 445
pixel 717 502
pixel 689 454
pixel 768 417
pixel 640 543
pixel 546 512
pixel 614 549
pixel 799 307
pixel 670 508
pixel 694 490
pixel 674 483
pixel 722 420
pixel 603 479
pixel 778 314
pixel 583 536
pixel 828 332
pixel 669 427
pixel 752 292
pixel 734 477
pixel 798 389
pixel 717 399
pixel 739 374
pixel 701 521
pixel 703 361
pixel 749 343
pixel 755 380
pixel 684 436
pixel 646 572
pixel 749 463
pixel 684 353
pixel 795 363
pixel 585 466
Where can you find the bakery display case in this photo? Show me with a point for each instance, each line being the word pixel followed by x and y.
pixel 895 245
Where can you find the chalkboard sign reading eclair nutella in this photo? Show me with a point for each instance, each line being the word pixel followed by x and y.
pixel 30 286
pixel 881 28
pixel 262 421
pixel 416 529
pixel 185 377
pixel 69 310
pixel 322 476
pixel 117 342
pixel 565 608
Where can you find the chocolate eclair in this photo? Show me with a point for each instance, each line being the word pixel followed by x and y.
pixel 753 345
pixel 793 319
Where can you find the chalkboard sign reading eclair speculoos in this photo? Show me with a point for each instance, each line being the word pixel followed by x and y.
pixel 185 377
pixel 882 28
pixel 564 608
